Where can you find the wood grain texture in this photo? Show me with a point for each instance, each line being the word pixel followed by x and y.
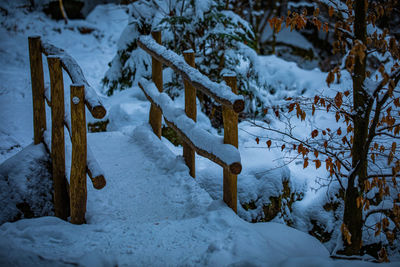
pixel 155 115
pixel 78 190
pixel 230 189
pixel 61 197
pixel 230 119
pixel 36 65
pixel 191 112
pixel 237 105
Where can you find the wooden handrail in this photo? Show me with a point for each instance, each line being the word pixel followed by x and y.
pixel 224 155
pixel 220 92
pixel 92 101
pixel 93 169
pixel 195 140
pixel 67 200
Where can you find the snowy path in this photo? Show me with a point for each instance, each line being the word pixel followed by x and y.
pixel 142 180
pixel 151 213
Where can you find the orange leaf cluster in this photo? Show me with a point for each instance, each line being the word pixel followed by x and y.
pixel 346 233
pixel 269 143
pixel 276 24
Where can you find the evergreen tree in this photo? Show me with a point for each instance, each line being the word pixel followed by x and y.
pixel 223 43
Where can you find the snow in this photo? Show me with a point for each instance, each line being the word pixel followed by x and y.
pixel 237 20
pixel 75 100
pixel 151 213
pixel 24 178
pixel 92 164
pixel 288 37
pixel 200 137
pixel 74 71
pixel 221 90
pixel 201 7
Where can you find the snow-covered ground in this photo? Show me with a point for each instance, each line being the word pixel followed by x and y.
pixel 151 213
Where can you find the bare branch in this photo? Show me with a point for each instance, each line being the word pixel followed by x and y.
pixel 395 76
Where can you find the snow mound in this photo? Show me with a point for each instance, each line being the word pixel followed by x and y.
pixel 25 185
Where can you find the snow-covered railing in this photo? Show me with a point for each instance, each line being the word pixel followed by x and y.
pixel 68 200
pixel 69 64
pixel 204 143
pixel 220 92
pixel 224 151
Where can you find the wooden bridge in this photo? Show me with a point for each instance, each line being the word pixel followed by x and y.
pixel 71 199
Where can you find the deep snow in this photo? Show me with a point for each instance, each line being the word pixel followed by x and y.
pixel 151 212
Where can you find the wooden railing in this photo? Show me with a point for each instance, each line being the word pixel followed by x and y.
pixel 68 200
pixel 223 152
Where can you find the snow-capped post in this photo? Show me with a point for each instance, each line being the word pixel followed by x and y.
pixel 230 120
pixel 155 115
pixel 61 198
pixel 36 65
pixel 78 191
pixel 191 112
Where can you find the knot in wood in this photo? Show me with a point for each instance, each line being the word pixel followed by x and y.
pixel 75 100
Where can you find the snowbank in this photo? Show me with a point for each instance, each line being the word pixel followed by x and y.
pixel 26 185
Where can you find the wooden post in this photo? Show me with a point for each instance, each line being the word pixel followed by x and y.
pixel 155 115
pixel 78 189
pixel 61 198
pixel 191 112
pixel 230 119
pixel 39 112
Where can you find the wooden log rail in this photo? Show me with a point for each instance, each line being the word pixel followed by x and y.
pixel 183 122
pixel 203 142
pixel 69 200
pixel 220 92
pixel 93 168
pixel 92 101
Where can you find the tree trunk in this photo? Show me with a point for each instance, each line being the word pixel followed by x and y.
pixel 352 216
